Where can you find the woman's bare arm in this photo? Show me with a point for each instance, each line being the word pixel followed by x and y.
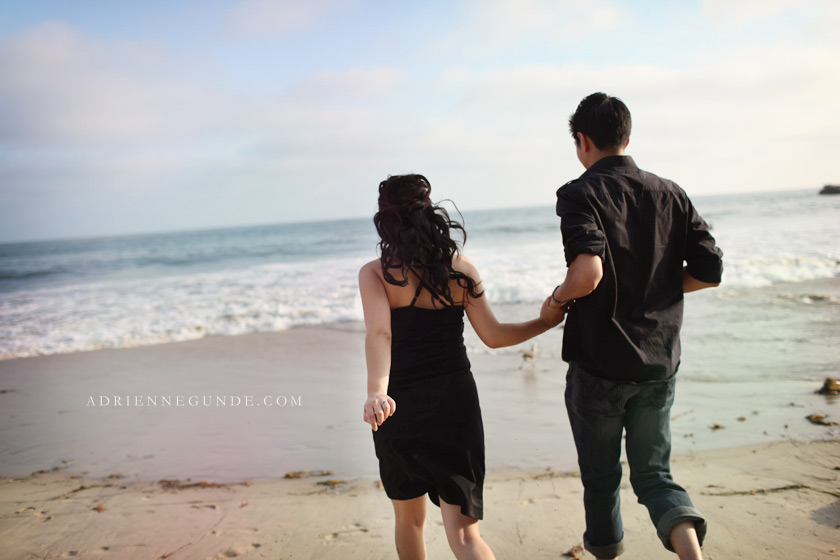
pixel 378 406
pixel 491 332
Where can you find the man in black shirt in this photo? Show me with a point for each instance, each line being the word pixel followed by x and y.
pixel 627 234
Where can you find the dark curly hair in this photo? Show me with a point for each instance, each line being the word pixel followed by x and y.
pixel 415 235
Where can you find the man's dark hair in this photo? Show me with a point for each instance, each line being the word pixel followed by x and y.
pixel 605 119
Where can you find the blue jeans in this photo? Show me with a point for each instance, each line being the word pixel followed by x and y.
pixel 599 410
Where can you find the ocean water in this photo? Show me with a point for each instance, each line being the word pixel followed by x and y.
pixel 754 349
pixel 777 311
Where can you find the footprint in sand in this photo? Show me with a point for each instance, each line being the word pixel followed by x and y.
pixel 532 501
pixel 216 533
pixel 354 530
pixel 31 510
pixel 239 551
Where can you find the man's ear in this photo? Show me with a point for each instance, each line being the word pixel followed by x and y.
pixel 585 142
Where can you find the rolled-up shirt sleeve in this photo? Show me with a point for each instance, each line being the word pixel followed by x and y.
pixel 579 226
pixel 704 260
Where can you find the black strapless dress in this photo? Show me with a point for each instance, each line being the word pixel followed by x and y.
pixel 434 442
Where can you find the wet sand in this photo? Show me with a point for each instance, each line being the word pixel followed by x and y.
pixel 306 388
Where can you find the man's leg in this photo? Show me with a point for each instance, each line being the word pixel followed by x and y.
pixel 648 426
pixel 685 542
pixel 594 408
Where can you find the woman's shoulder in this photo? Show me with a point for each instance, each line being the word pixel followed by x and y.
pixel 372 267
pixel 371 272
pixel 463 264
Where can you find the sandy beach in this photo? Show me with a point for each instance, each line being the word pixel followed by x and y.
pixel 773 501
pixel 85 475
pixel 189 190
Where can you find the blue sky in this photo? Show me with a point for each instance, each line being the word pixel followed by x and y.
pixel 127 117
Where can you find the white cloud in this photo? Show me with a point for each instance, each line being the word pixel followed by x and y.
pixel 262 17
pixel 549 20
pixel 85 119
pixel 497 26
pixel 757 118
pixel 356 85
pixel 743 13
pixel 61 88
pixel 85 115
pixel 826 24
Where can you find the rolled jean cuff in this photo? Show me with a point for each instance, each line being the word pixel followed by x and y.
pixel 674 517
pixel 606 551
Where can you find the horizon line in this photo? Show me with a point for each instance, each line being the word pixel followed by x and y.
pixel 88 237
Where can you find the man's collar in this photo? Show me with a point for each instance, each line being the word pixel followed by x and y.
pixel 607 162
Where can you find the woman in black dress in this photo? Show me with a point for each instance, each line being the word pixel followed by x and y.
pixel 414 298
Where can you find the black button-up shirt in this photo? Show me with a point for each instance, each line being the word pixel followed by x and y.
pixel 644 228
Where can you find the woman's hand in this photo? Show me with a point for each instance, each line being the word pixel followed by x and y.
pixel 378 407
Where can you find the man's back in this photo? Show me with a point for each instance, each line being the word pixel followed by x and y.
pixel 626 234
pixel 644 228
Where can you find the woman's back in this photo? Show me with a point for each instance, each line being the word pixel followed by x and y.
pixel 427 342
pixel 403 296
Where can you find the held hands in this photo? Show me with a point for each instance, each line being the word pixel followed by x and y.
pixel 378 408
pixel 553 312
